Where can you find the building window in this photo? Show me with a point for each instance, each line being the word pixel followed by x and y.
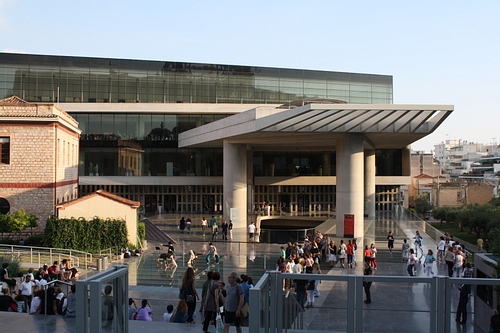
pixel 4 150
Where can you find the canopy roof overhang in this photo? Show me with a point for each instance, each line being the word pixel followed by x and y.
pixel 317 126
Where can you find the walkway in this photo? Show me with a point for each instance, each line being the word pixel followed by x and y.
pixel 393 308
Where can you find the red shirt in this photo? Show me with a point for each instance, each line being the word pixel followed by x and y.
pixel 52 269
pixel 350 249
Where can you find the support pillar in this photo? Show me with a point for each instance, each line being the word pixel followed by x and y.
pixel 350 182
pixel 370 183
pixel 235 188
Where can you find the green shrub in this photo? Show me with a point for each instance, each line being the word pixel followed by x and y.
pixel 85 235
pixel 14 266
pixel 141 231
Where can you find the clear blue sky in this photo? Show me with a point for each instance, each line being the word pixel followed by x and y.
pixel 439 52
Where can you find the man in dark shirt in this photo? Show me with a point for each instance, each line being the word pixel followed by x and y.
pixel 367 284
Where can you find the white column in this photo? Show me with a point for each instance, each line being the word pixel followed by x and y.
pixel 350 182
pixel 235 188
pixel 370 183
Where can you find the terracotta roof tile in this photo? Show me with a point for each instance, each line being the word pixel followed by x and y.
pixel 102 193
pixel 12 100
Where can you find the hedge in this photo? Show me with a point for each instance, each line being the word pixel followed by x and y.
pixel 85 235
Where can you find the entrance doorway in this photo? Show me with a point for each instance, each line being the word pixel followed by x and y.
pixel 208 203
pixel 151 203
pixel 303 203
pixel 285 203
pixel 169 203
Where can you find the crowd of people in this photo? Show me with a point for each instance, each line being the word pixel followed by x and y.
pixel 35 286
pixel 219 301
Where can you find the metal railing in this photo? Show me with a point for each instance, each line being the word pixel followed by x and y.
pixel 267 306
pixel 44 255
pixel 90 307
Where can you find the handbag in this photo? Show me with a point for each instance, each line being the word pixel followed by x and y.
pixel 190 299
pixel 244 310
pixel 219 325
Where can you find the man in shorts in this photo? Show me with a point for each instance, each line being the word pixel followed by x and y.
pixel 251 231
pixel 234 301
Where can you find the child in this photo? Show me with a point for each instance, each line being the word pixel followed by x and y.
pixel 21 305
pixel 311 285
pixel 404 249
pixel 167 315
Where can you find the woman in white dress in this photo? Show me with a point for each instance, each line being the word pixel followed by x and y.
pixel 342 253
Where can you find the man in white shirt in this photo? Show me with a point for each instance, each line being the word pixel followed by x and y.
pixel 251 231
pixel 440 248
pixel 26 289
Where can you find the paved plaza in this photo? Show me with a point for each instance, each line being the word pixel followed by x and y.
pixel 393 309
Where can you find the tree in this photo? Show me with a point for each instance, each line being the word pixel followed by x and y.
pixel 4 223
pixel 439 213
pixel 17 221
pixel 422 204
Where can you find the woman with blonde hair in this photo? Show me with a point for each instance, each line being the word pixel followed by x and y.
pixel 188 293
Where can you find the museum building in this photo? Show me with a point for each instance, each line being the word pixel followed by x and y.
pixel 176 136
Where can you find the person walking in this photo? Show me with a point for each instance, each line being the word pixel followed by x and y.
pixel 404 250
pixel 204 225
pixel 251 231
pixel 390 241
pixel 367 284
pixel 230 229
pixel 189 293
pixel 349 252
pixel 410 267
pixel 418 243
pixel 342 253
pixel 234 302
pixel 449 258
pixel 429 263
pixel 440 247
pixel 224 228
pixel 373 256
pixel 463 299
pixel 211 303
pixel 182 224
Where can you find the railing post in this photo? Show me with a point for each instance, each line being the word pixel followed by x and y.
pixel 439 299
pixel 433 309
pixel 273 306
pixel 447 305
pixel 359 303
pixel 351 302
pixel 279 297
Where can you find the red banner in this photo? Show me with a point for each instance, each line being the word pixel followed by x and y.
pixel 349 225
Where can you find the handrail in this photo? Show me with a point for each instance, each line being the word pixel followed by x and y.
pixel 45 290
pixel 51 252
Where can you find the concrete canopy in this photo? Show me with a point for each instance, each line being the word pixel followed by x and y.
pixel 384 126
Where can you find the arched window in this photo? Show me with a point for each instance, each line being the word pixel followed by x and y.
pixel 4 206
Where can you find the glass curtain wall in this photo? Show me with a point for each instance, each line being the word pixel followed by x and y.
pixel 38 78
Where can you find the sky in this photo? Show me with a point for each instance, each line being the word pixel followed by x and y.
pixel 438 52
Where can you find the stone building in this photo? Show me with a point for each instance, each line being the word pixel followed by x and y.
pixel 39 145
pixel 458 194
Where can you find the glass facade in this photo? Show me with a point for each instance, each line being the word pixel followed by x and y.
pixel 145 143
pixel 40 78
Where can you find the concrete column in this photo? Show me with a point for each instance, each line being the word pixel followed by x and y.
pixel 406 161
pixel 370 183
pixel 235 188
pixel 350 182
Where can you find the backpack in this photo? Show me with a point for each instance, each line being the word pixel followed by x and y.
pixel 60 309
